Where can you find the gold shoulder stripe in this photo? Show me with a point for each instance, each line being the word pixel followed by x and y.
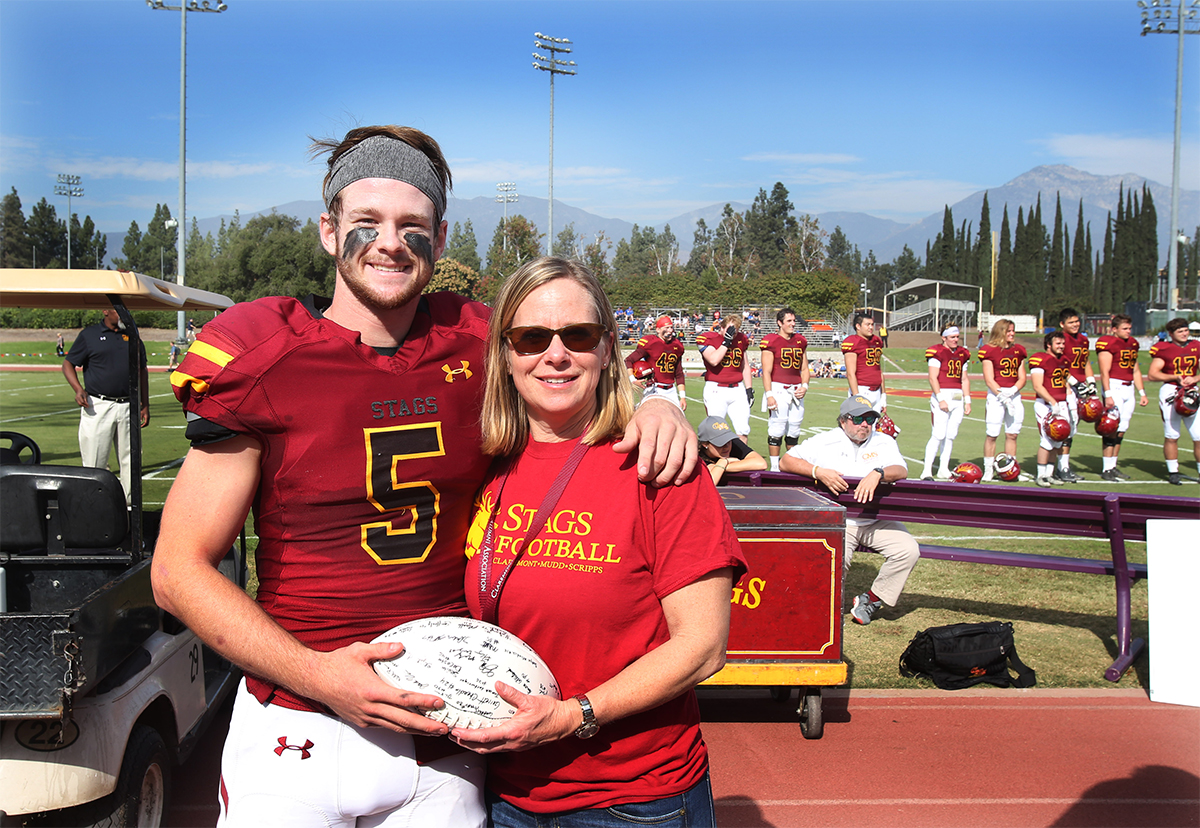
pixel 214 355
pixel 180 379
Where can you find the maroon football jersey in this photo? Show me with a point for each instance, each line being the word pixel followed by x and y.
pixel 370 463
pixel 1006 363
pixel 868 370
pixel 1182 360
pixel 1124 355
pixel 1055 372
pixel 730 368
pixel 788 355
pixel 666 357
pixel 950 372
pixel 1075 353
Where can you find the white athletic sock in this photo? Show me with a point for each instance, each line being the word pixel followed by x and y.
pixel 1110 463
pixel 930 452
pixel 1173 466
pixel 1044 470
pixel 1064 463
pixel 989 463
pixel 947 447
pixel 774 464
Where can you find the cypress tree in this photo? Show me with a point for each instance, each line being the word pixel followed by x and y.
pixel 1002 301
pixel 1054 272
pixel 983 247
pixel 1081 258
pixel 1021 266
pixel 1107 299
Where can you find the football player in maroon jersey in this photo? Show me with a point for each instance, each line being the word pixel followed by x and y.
pixel 950 400
pixel 1049 371
pixel 1176 364
pixel 663 350
pixel 1077 353
pixel 785 382
pixel 351 428
pixel 728 388
pixel 863 352
pixel 1117 354
pixel 1002 361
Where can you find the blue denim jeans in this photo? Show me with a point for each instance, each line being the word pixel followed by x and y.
pixel 691 809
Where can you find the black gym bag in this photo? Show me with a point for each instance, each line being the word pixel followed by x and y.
pixel 963 655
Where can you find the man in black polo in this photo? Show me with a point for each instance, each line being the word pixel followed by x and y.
pixel 103 352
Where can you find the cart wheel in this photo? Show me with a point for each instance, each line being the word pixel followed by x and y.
pixel 812 725
pixel 781 694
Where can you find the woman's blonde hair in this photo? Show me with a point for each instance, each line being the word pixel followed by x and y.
pixel 504 419
pixel 998 331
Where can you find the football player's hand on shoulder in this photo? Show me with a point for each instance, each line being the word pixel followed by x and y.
pixel 664 440
pixel 345 682
pixel 538 720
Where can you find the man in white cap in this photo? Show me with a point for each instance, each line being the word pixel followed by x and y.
pixel 856 449
pixel 950 400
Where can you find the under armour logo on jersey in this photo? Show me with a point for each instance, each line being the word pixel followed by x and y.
pixel 452 373
pixel 283 745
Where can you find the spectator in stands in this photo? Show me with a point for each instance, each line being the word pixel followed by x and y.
pixel 722 450
pixel 863 352
pixel 856 449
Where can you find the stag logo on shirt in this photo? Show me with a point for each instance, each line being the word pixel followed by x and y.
pixel 454 373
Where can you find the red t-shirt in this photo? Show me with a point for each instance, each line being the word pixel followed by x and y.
pixel 1124 353
pixel 1055 372
pixel 666 357
pixel 1006 362
pixel 587 597
pixel 1183 360
pixel 1075 353
pixel 370 463
pixel 950 371
pixel 788 356
pixel 729 370
pixel 868 370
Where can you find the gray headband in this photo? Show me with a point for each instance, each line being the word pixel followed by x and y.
pixel 382 157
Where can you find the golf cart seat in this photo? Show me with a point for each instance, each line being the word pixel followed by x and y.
pixel 61 510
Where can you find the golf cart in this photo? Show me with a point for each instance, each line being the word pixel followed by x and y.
pixel 101 692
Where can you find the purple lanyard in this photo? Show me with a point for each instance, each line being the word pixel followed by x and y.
pixel 489 599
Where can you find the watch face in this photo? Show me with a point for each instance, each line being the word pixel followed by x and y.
pixel 587 730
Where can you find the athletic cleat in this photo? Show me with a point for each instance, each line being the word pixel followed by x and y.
pixel 1175 479
pixel 943 474
pixel 1044 482
pixel 1122 475
pixel 864 609
pixel 1110 476
pixel 1068 476
pixel 1054 481
pixel 928 477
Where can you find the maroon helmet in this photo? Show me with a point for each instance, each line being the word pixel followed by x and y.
pixel 887 426
pixel 1187 401
pixel 1110 423
pixel 642 370
pixel 1091 409
pixel 1007 467
pixel 967 473
pixel 1058 428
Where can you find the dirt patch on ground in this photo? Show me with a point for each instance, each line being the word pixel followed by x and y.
pixel 45 335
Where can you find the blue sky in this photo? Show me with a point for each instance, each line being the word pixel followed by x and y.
pixel 890 108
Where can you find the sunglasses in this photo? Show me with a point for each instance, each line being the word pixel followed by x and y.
pixel 579 337
pixel 870 418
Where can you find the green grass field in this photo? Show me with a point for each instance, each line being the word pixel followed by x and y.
pixel 1065 622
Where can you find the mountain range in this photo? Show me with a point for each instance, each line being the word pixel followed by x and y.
pixel 884 237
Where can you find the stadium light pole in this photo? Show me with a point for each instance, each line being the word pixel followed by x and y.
pixel 71 187
pixel 507 194
pixel 183 8
pixel 1157 18
pixel 550 63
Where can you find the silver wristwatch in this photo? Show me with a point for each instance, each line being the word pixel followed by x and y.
pixel 590 727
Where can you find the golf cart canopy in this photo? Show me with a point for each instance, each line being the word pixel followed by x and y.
pixel 90 289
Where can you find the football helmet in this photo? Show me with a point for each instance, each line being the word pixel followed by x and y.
pixel 887 426
pixel 1058 428
pixel 642 370
pixel 1091 409
pixel 1109 423
pixel 1007 467
pixel 1187 401
pixel 966 473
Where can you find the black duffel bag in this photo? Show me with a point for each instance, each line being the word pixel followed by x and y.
pixel 963 655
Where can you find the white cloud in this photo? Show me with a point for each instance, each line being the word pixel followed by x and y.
pixel 1112 154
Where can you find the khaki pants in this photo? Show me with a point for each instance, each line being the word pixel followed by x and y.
pixel 102 424
pixel 900 554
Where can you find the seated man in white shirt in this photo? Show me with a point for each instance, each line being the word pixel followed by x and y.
pixel 856 449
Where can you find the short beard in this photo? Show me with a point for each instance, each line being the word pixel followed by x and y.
pixel 367 295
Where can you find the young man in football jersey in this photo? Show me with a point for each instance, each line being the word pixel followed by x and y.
pixel 663 350
pixel 950 400
pixel 1077 353
pixel 728 386
pixel 1049 370
pixel 863 353
pixel 785 374
pixel 1117 354
pixel 1176 364
pixel 362 491
pixel 856 449
pixel 1002 362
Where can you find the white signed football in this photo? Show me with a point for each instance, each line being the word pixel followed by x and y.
pixel 460 660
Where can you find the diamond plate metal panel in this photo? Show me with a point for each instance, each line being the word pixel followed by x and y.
pixel 31 673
